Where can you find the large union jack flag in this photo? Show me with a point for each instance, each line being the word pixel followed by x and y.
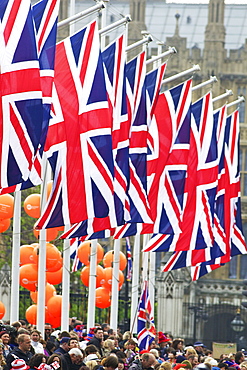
pixel 145 320
pixel 79 142
pixel 21 111
pixel 45 15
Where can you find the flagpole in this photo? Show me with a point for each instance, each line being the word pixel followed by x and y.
pixel 171 50
pixel 15 270
pixel 66 284
pixel 72 13
pixel 205 83
pixel 240 99
pixel 115 282
pixel 222 96
pixel 135 284
pixel 82 14
pixel 145 40
pixel 92 286
pixel 195 68
pixel 116 24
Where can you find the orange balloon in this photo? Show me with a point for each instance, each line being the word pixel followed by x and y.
pixel 48 189
pixel 29 276
pixel 108 260
pixel 53 257
pixel 54 321
pixel 31 314
pixel 54 305
pixel 26 252
pixel 50 291
pixel 102 298
pixel 55 277
pixel 32 205
pixel 107 284
pixel 51 234
pixel 84 250
pixel 2 310
pixel 100 276
pixel 6 206
pixel 4 224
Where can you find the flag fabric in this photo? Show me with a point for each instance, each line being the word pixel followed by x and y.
pixel 129 260
pixel 76 263
pixel 79 143
pixel 137 110
pixel 169 136
pixel 145 320
pixel 197 223
pixel 21 94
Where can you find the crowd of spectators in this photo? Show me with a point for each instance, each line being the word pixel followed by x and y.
pixel 22 347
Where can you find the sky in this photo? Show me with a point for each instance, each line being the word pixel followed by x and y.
pixel 206 1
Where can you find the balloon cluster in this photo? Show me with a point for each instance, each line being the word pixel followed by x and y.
pixel 103 274
pixel 6 211
pixel 29 258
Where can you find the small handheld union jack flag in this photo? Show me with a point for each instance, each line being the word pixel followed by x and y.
pixel 145 320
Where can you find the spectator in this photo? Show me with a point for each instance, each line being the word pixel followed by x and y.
pixel 37 346
pixel 64 346
pixel 55 357
pixel 108 346
pixel 97 340
pixel 48 331
pixel 19 364
pixel 193 359
pixel 4 336
pixel 73 359
pixel 36 360
pixel 21 351
pixel 239 357
pixel 73 343
pixel 199 348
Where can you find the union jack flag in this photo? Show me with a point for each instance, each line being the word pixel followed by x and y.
pixel 129 260
pixel 79 142
pixel 228 205
pixel 145 320
pixel 21 94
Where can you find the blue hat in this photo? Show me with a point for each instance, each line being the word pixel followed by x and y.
pixel 64 340
pixel 198 344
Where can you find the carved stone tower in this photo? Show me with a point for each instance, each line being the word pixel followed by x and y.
pixel 214 50
pixel 137 12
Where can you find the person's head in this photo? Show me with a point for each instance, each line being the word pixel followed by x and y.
pixel 48 329
pixel 178 344
pixel 55 357
pixel 190 351
pixel 166 365
pixel 130 345
pixel 198 346
pixel 120 364
pixel 155 352
pixel 239 357
pixel 98 333
pixel 4 336
pixel 127 335
pixel 64 343
pixel 105 327
pixel 36 360
pixel 147 360
pixel 172 354
pixel 243 365
pixel 109 344
pixel 91 348
pixel 35 335
pixel 73 343
pixel 76 356
pixel 24 342
pixel 110 362
pixel 193 359
pixel 91 364
pixel 224 366
pixel 187 364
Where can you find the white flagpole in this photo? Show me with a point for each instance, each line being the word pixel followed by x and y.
pixel 195 68
pixel 205 83
pixel 222 96
pixel 15 270
pixel 42 255
pixel 72 13
pixel 135 284
pixel 148 38
pixel 82 14
pixel 115 282
pixel 116 24
pixel 92 286
pixel 66 284
pixel 171 50
pixel 240 99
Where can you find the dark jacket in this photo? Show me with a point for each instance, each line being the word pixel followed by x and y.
pixel 97 343
pixel 17 353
